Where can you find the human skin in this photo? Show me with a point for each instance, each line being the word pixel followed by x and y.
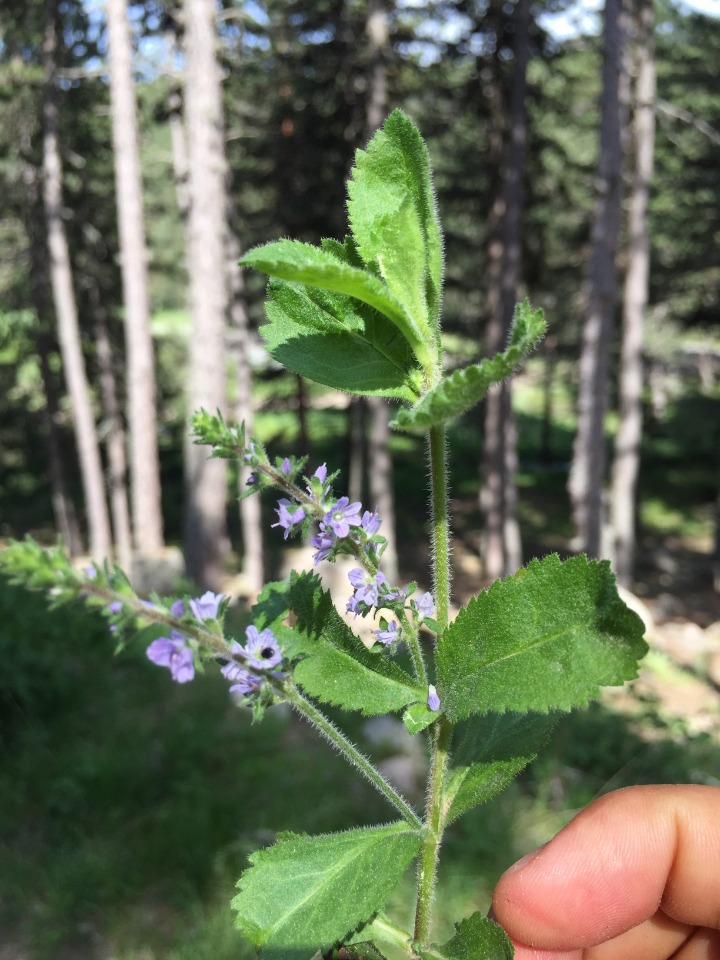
pixel 634 876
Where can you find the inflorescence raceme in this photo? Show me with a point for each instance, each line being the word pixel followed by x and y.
pixel 340 527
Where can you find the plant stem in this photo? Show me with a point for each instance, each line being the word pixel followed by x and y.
pixel 440 524
pixel 434 821
pixel 351 753
pixel 412 639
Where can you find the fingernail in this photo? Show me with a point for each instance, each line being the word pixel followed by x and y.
pixel 524 861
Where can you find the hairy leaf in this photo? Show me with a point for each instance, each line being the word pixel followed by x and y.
pixel 305 893
pixel 476 938
pixel 337 667
pixel 393 216
pixel 491 750
pixel 332 339
pixel 316 267
pixel 464 388
pixel 544 639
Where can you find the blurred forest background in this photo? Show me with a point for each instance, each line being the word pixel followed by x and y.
pixel 143 148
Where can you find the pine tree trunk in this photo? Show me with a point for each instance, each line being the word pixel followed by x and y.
pixel 142 415
pixel 63 506
pixel 627 442
pixel 65 306
pixel 114 439
pixel 250 507
pixel 502 545
pixel 206 544
pixel 589 457
pixel 380 467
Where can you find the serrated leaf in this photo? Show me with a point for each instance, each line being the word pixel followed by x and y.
pixel 393 216
pixel 464 388
pixel 303 263
pixel 332 339
pixel 305 893
pixel 491 750
pixel 476 938
pixel 337 667
pixel 544 639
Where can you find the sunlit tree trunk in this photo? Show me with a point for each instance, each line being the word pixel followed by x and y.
pixel 141 400
pixel 64 302
pixel 589 455
pixel 250 507
pixel 502 546
pixel 206 543
pixel 380 468
pixel 63 506
pixel 114 432
pixel 626 464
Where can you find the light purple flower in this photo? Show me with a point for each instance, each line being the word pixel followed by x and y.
pixel 288 516
pixel 251 481
pixel 115 607
pixel 342 516
pixel 353 605
pixel 249 454
pixel 91 572
pixel 425 605
pixel 172 652
pixel 262 649
pixel 246 682
pixel 286 466
pixel 321 473
pixel 178 608
pixel 323 543
pixel 389 635
pixel 433 700
pixel 206 607
pixel 370 522
pixel 367 586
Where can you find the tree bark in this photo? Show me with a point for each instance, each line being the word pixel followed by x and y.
pixel 627 442
pixel 380 465
pixel 503 548
pixel 589 456
pixel 65 305
pixel 114 432
pixel 63 506
pixel 142 414
pixel 206 544
pixel 250 507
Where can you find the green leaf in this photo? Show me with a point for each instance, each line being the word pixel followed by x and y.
pixel 332 339
pixel 491 750
pixel 476 938
pixel 418 717
pixel 464 388
pixel 306 893
pixel 393 217
pixel 337 667
pixel 303 263
pixel 544 639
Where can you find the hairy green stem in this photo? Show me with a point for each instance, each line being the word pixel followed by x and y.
pixel 351 753
pixel 434 820
pixel 410 635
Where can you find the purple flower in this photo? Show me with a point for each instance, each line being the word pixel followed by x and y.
pixel 288 516
pixel 321 473
pixel 353 605
pixel 251 481
pixel 367 587
pixel 262 649
pixel 249 454
pixel 395 594
pixel 433 700
pixel 115 607
pixel 424 605
pixel 206 607
pixel 389 635
pixel 178 608
pixel 172 652
pixel 246 682
pixel 286 467
pixel 91 572
pixel 370 523
pixel 323 543
pixel 342 516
